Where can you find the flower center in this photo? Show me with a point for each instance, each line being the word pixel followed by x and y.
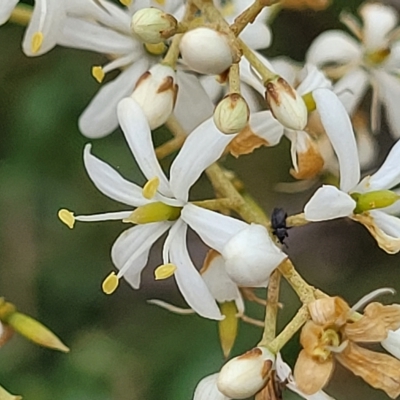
pixel 154 212
pixel 376 57
pixel 328 340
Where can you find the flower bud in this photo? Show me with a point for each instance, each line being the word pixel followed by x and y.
pixel 207 389
pixel 4 395
pixel 251 256
pixel 231 114
pixel 156 92
pixel 35 331
pixel 245 375
pixel 153 25
pixel 286 105
pixel 206 51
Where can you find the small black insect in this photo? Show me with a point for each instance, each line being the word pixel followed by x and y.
pixel 278 224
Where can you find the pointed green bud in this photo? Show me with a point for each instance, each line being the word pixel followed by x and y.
pixel 228 327
pixel 4 395
pixel 35 331
pixel 373 200
pixel 154 212
pixel 231 114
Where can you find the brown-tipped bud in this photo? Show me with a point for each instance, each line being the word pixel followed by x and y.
pixel 231 114
pixel 35 331
pixel 153 25
pixel 286 105
pixel 206 51
pixel 156 93
pixel 245 375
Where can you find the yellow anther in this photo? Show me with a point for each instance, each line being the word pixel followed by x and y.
pixel 67 217
pixel 36 43
pixel 160 2
pixel 150 188
pixel 98 73
pixel 126 2
pixel 156 49
pixel 310 102
pixel 164 271
pixel 110 284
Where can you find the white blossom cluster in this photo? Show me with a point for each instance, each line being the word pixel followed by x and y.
pixel 193 63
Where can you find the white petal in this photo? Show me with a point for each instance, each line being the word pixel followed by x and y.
pixel 100 116
pixel 138 135
pixel 218 281
pixel 264 125
pixel 191 96
pixel 257 36
pixel 248 75
pixel 251 256
pixel 338 127
pixel 327 203
pixel 213 88
pixel 87 35
pixel 392 343
pixel 389 94
pixel 378 21
pixel 6 8
pixel 110 182
pixel 213 228
pixel 312 78
pixel 389 224
pixel 190 283
pixel 334 47
pixel 207 389
pixel 47 19
pixel 131 250
pixel 204 146
pixel 387 176
pixel 351 89
pixel 287 69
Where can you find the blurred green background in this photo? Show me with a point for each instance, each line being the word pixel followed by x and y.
pixel 121 347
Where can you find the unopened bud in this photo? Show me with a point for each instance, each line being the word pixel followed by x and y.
pixel 245 375
pixel 153 25
pixel 231 114
pixel 35 331
pixel 206 51
pixel 286 105
pixel 156 92
pixel 373 200
pixel 251 256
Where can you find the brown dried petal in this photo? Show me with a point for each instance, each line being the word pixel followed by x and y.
pixel 387 243
pixel 375 324
pixel 381 371
pixel 245 142
pixel 310 335
pixel 309 164
pixel 328 311
pixel 272 390
pixel 311 375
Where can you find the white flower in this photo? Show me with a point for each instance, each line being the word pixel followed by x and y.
pixel 332 114
pixel 44 27
pixel 376 204
pixel 285 376
pixel 372 62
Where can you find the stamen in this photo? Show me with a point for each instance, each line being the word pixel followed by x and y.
pixel 164 271
pixel 110 284
pixel 338 349
pixel 371 296
pixel 98 73
pixel 156 49
pixel 160 2
pixel 171 307
pixel 125 2
pixel 67 217
pixel 36 43
pixel 150 188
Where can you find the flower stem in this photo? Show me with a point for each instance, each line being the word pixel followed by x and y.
pixel 216 204
pixel 296 220
pixel 170 147
pixel 234 78
pixel 21 14
pixel 290 329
